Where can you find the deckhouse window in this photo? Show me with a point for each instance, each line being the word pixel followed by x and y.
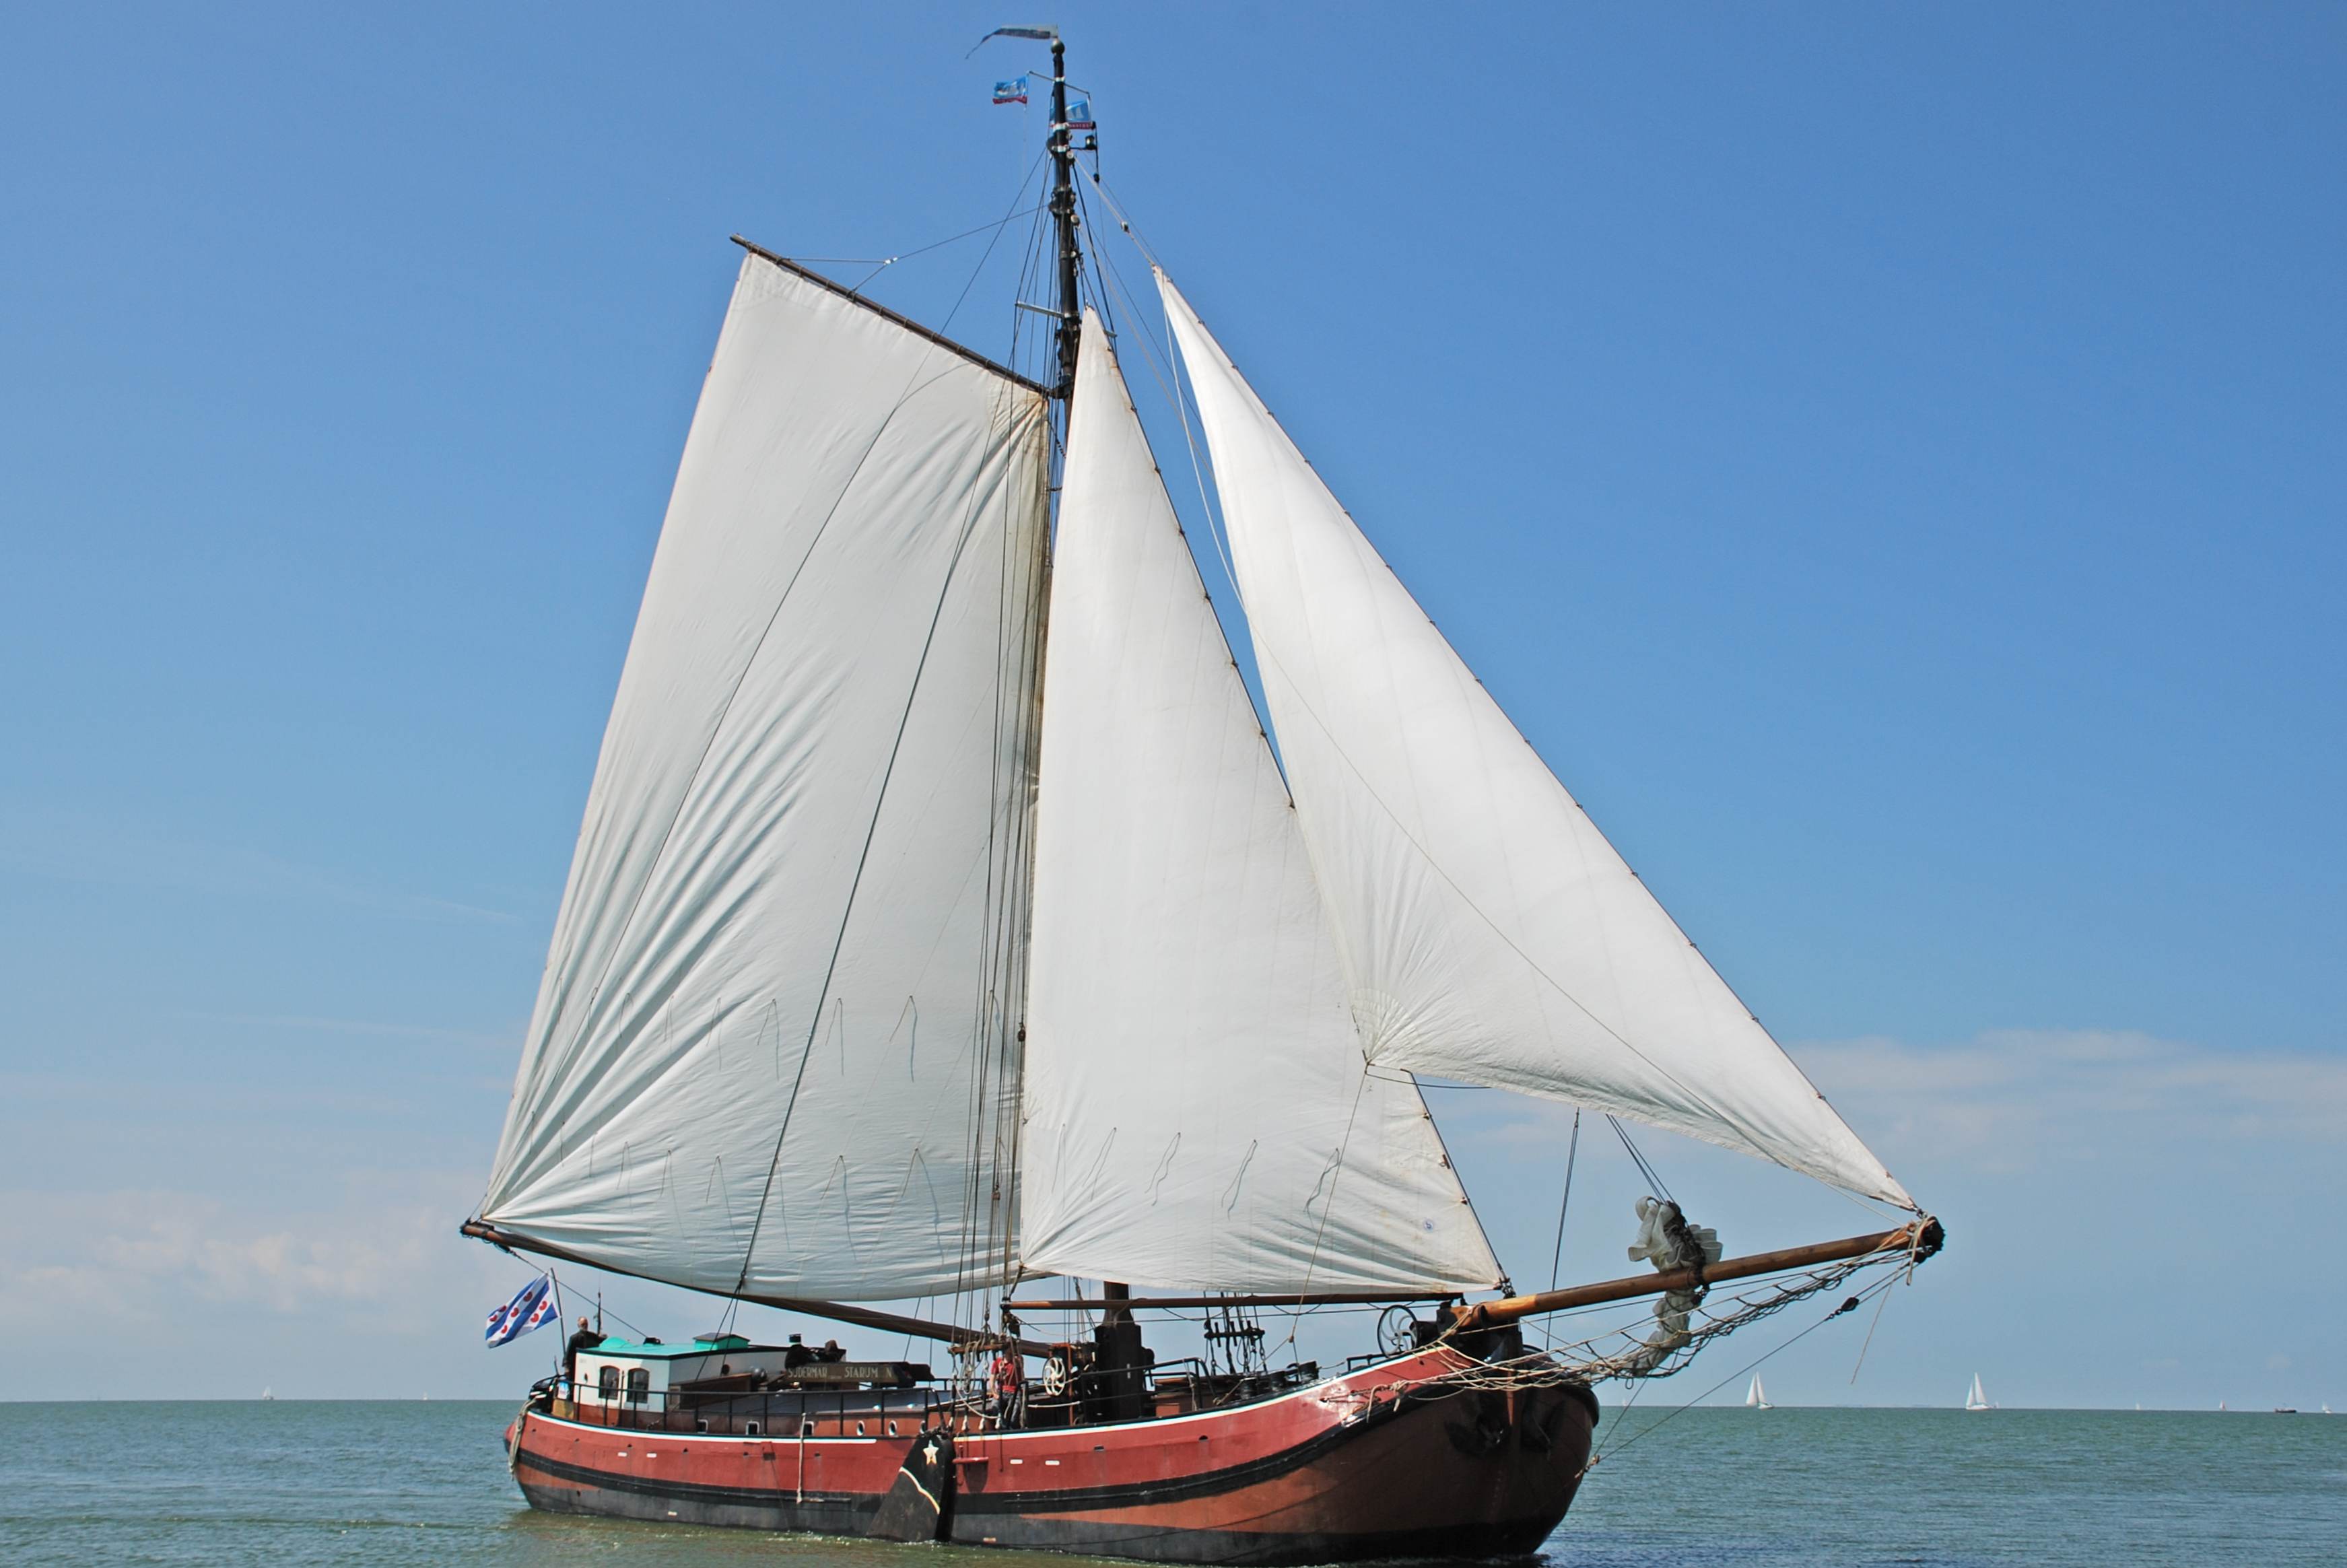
pixel 640 1382
pixel 607 1384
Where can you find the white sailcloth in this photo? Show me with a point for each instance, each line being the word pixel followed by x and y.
pixel 1198 1110
pixel 766 1006
pixel 1490 932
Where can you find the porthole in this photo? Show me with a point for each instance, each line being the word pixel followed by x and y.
pixel 892 1429
pixel 751 1428
pixel 859 1429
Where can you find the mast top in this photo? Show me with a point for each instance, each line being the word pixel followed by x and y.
pixel 1063 218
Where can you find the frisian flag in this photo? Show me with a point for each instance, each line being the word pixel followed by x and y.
pixel 1011 92
pixel 532 1307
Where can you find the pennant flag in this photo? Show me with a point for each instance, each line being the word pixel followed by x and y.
pixel 1050 34
pixel 1080 115
pixel 532 1307
pixel 1011 92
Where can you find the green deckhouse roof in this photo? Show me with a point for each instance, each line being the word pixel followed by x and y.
pixel 705 1345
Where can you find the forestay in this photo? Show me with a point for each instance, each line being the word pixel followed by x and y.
pixel 1198 1107
pixel 794 899
pixel 1488 930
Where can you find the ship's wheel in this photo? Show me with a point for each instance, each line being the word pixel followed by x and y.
pixel 1397 1330
pixel 1055 1376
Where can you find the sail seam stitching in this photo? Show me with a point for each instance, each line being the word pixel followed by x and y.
pixel 856 882
pixel 684 797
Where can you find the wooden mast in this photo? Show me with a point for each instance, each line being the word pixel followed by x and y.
pixel 1063 222
pixel 1062 147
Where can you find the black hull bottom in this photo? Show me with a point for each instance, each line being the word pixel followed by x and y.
pixel 852 1517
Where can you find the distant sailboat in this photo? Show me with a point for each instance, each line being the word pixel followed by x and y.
pixel 1757 1398
pixel 1977 1399
pixel 2220 1404
pixel 269 1394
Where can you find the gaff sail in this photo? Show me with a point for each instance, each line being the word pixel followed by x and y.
pixel 782 980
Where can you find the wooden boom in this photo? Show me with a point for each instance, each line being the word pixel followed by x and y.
pixel 1921 1238
pixel 1331 1299
pixel 839 1311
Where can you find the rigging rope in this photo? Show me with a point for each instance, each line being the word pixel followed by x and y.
pixel 1638 1158
pixel 1753 1365
pixel 881 263
pixel 1556 1254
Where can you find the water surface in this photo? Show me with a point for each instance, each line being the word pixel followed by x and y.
pixel 380 1484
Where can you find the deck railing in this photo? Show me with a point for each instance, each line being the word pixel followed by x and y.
pixel 1174 1388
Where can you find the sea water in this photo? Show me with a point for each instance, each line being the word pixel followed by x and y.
pixel 379 1483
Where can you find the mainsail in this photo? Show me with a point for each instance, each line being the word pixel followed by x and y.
pixel 1489 932
pixel 1198 1110
pixel 769 1043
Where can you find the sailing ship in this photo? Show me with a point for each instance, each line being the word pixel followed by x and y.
pixel 907 955
pixel 1757 1398
pixel 1977 1398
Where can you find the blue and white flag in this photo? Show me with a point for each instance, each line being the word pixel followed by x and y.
pixel 533 1307
pixel 1011 92
pixel 1080 115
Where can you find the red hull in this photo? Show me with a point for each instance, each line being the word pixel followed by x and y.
pixel 1395 1461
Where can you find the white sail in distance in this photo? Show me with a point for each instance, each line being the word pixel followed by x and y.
pixel 1489 932
pixel 1198 1107
pixel 785 952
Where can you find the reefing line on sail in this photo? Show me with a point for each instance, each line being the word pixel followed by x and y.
pixel 744 741
pixel 724 712
pixel 814 543
pixel 863 857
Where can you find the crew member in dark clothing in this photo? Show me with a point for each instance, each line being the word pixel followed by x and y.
pixel 585 1339
pixel 831 1352
pixel 796 1354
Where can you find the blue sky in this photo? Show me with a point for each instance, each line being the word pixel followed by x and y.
pixel 1887 459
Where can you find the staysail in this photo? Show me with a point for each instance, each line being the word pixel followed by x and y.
pixel 1489 932
pixel 1198 1110
pixel 779 985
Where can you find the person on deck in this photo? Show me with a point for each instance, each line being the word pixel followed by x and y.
pixel 831 1352
pixel 586 1338
pixel 796 1354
